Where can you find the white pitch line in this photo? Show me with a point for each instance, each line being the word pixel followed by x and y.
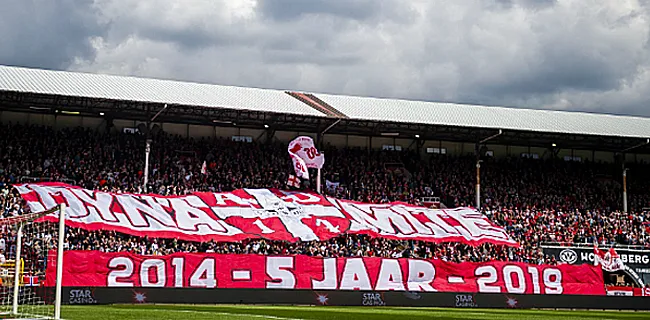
pixel 237 314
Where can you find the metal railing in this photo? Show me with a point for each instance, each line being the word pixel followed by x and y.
pixel 44 179
pixel 430 199
pixel 591 245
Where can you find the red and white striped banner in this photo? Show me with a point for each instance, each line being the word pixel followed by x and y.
pixel 258 213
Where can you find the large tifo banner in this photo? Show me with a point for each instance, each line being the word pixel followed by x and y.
pixel 258 213
pixel 204 270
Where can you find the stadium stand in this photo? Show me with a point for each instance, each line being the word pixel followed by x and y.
pixel 536 200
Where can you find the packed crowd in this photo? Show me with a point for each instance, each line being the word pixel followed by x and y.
pixel 536 201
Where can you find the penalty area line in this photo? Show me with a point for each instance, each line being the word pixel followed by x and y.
pixel 259 316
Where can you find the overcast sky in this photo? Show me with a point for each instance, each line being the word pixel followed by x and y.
pixel 586 55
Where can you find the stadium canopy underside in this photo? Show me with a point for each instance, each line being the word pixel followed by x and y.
pixel 291 111
pixel 141 111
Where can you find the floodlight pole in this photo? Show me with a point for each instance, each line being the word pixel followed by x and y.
pixel 147 151
pixel 318 178
pixel 478 168
pixel 320 135
pixel 625 190
pixel 147 148
pixel 478 184
pixel 647 141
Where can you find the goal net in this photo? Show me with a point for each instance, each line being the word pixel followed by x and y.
pixel 28 244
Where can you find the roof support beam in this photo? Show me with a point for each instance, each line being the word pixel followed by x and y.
pixel 319 137
pixel 330 126
pixel 491 137
pixel 647 141
pixel 158 113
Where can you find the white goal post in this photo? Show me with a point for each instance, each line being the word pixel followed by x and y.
pixel 30 248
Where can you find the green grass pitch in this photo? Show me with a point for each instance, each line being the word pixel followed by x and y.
pixel 236 312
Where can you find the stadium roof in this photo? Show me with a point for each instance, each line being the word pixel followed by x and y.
pixel 120 97
pixel 76 84
pixel 436 113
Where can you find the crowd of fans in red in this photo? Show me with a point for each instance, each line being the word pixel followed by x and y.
pixel 535 200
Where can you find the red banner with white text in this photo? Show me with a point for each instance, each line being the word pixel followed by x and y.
pixel 628 291
pixel 205 270
pixel 258 213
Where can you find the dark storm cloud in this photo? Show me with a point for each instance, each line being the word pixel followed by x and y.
pixel 591 55
pixel 564 67
pixel 46 34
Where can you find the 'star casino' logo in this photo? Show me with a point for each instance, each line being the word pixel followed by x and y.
pixel 465 301
pixel 373 299
pixel 82 296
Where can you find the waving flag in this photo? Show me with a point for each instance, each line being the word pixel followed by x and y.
pixel 299 166
pixel 610 260
pixel 293 182
pixel 304 148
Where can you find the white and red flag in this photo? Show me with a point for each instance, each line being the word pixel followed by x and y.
pixel 299 166
pixel 609 260
pixel 304 155
pixel 204 168
pixel 31 281
pixel 293 181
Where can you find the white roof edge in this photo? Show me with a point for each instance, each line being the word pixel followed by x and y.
pixel 490 117
pixel 129 88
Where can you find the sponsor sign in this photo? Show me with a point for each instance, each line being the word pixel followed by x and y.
pixel 258 213
pixel 373 299
pixel 81 296
pixel 568 256
pixel 356 298
pixel 637 261
pixel 573 255
pixel 465 301
pixel 246 271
